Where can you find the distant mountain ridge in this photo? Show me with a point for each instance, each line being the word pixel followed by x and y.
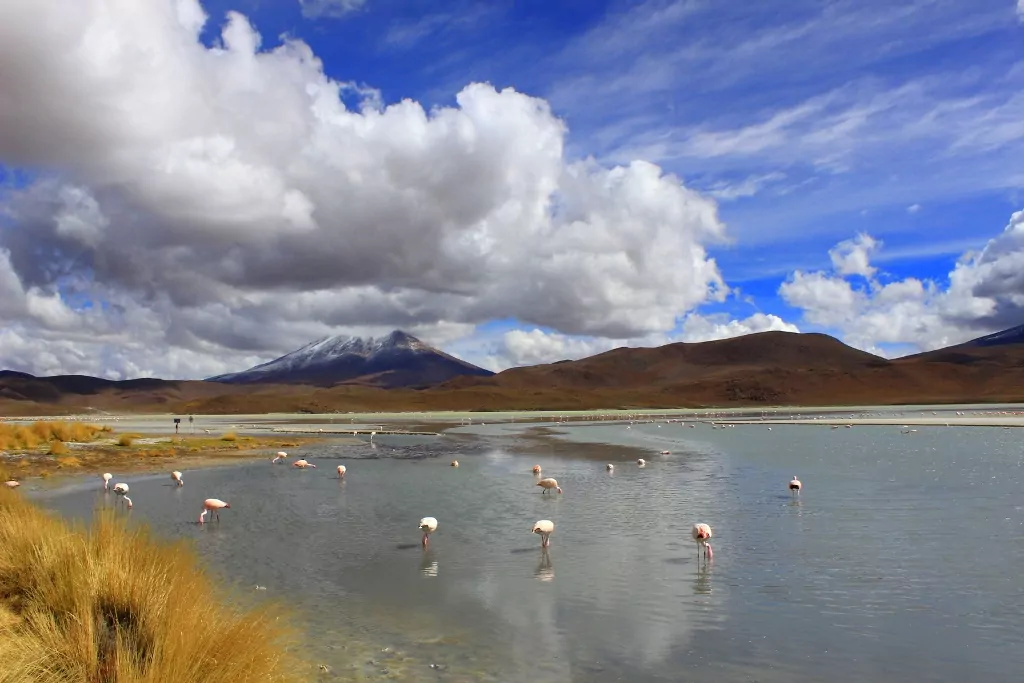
pixel 1014 335
pixel 396 360
pixel 760 369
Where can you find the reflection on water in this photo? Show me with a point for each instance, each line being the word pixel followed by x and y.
pixel 859 578
pixel 545 570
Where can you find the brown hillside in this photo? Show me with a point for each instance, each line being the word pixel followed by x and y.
pixel 772 368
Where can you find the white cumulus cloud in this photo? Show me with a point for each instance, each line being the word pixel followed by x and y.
pixel 853 257
pixel 197 208
pixel 983 293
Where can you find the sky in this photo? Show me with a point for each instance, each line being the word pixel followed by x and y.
pixel 189 188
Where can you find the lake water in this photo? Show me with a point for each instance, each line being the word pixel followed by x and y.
pixel 901 560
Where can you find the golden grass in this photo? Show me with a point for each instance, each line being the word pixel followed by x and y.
pixel 126 440
pixel 21 437
pixel 111 603
pixel 58 448
pixel 230 436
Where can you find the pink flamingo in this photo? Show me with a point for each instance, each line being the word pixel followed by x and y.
pixel 545 528
pixel 341 471
pixel 281 455
pixel 302 464
pixel 428 525
pixel 701 535
pixel 548 484
pixel 107 476
pixel 795 485
pixel 176 476
pixel 122 491
pixel 536 469
pixel 12 484
pixel 213 505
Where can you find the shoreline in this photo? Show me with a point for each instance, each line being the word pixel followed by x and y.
pixel 142 453
pixel 367 420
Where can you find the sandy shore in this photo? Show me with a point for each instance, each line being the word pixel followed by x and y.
pixel 271 426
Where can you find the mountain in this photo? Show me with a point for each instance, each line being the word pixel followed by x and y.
pixel 1014 335
pixel 397 360
pixel 1003 348
pixel 763 369
pixel 752 366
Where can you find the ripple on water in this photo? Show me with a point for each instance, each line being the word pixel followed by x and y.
pixel 885 568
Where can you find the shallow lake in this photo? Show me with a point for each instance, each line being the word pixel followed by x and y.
pixel 901 560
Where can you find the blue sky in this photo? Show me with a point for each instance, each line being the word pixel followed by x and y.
pixel 634 79
pixel 638 79
pixel 807 121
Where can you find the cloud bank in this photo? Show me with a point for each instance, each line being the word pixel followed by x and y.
pixel 193 209
pixel 984 293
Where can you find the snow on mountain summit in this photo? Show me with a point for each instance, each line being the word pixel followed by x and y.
pixel 399 358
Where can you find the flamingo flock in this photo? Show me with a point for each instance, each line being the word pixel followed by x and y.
pixel 701 533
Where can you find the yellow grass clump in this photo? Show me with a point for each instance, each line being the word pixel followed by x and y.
pixel 126 440
pixel 230 436
pixel 23 437
pixel 113 604
pixel 58 448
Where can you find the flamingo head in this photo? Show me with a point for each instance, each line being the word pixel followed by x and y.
pixel 226 505
pixel 558 488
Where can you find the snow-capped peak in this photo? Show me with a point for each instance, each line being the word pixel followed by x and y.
pixel 329 348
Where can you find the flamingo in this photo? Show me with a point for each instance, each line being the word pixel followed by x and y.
pixel 641 462
pixel 665 453
pixel 455 463
pixel 795 485
pixel 107 476
pixel 548 484
pixel 428 525
pixel 12 484
pixel 213 505
pixel 281 455
pixel 176 476
pixel 121 489
pixel 701 533
pixel 536 469
pixel 302 464
pixel 545 528
pixel 610 467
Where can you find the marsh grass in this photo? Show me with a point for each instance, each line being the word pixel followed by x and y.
pixel 111 603
pixel 126 440
pixel 21 437
pixel 58 448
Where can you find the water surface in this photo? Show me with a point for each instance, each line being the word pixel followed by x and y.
pixel 899 561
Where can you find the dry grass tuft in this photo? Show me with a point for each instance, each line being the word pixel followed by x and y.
pixel 111 603
pixel 126 440
pixel 230 436
pixel 24 437
pixel 58 448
